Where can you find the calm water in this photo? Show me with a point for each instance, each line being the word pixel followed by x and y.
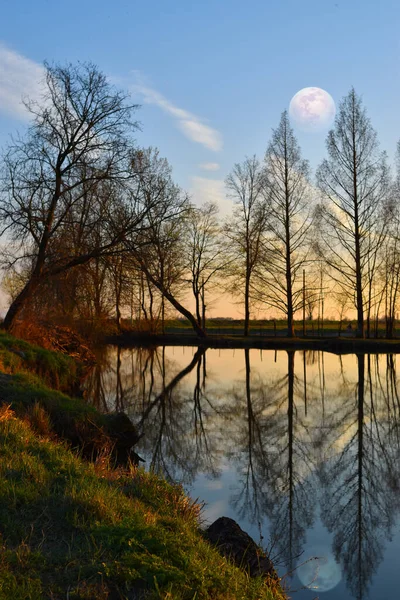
pixel 302 449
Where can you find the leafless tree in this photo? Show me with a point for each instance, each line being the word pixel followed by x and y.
pixel 245 229
pixel 390 268
pixel 205 255
pixel 311 300
pixel 158 248
pixel 79 141
pixel 353 182
pixel 286 247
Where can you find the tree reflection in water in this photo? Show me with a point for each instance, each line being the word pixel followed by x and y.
pixel 359 501
pixel 295 440
pixel 273 460
pixel 174 421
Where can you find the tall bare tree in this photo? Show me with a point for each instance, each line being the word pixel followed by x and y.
pixel 353 182
pixel 205 256
pixel 390 269
pixel 286 247
pixel 244 230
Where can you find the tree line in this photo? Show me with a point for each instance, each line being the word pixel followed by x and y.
pixel 94 225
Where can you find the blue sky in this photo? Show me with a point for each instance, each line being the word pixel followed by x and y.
pixel 214 76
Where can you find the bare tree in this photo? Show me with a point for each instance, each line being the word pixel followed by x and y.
pixel 310 300
pixel 205 256
pixel 353 181
pixel 158 247
pixel 343 304
pixel 244 230
pixel 390 269
pixel 79 142
pixel 286 248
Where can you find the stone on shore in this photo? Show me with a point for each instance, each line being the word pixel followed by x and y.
pixel 236 545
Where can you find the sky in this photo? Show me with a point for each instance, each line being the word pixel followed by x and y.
pixel 212 77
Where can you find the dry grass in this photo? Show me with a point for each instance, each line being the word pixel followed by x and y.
pixel 6 413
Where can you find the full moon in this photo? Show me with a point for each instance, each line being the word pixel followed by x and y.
pixel 312 109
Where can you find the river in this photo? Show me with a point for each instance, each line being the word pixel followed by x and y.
pixel 302 449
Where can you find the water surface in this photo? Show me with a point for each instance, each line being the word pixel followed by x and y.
pixel 301 448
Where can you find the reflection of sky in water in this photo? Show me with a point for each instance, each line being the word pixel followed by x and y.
pixel 305 490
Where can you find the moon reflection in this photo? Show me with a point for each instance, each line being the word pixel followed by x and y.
pixel 320 571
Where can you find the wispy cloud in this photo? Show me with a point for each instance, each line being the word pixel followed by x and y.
pixel 20 78
pixel 203 190
pixel 192 126
pixel 210 166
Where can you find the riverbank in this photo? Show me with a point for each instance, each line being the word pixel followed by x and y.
pixel 336 345
pixel 87 529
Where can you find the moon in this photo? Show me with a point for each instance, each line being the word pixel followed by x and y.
pixel 312 109
pixel 322 573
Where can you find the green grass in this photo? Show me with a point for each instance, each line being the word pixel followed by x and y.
pixel 25 387
pixel 70 529
pixel 58 370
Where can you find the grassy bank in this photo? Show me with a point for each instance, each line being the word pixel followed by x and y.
pixel 31 382
pixel 79 530
pixel 57 370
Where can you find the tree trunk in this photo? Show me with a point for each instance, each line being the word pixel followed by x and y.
pixel 289 292
pixel 360 312
pixel 198 315
pixel 175 303
pixel 19 302
pixel 34 279
pixel 247 305
pixel 290 325
pixel 172 384
pixel 196 294
pixel 203 312
pixel 118 310
pixel 359 296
